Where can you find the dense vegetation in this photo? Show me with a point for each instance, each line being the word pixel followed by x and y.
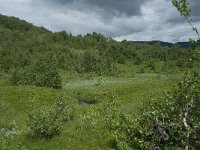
pixel 59 91
pixel 23 44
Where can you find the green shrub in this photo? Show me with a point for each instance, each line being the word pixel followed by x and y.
pixel 22 76
pixel 48 78
pixel 42 124
pixel 43 73
pixel 137 60
pixel 151 65
pixel 170 122
pixel 47 124
pixel 90 61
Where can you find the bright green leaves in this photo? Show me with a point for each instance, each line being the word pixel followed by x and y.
pixel 47 124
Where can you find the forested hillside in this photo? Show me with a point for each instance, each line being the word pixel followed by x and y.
pixel 22 44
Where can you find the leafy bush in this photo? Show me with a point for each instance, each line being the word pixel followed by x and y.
pixel 22 76
pixel 41 124
pixel 151 65
pixel 43 73
pixel 90 61
pixel 49 78
pixel 171 122
pixel 46 124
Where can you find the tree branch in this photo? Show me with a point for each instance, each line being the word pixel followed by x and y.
pixel 192 26
pixel 186 111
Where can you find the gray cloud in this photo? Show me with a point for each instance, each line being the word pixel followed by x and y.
pixel 114 7
pixel 120 19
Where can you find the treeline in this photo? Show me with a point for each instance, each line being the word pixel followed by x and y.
pixel 23 44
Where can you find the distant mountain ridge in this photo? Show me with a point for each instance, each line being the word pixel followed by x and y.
pixel 168 44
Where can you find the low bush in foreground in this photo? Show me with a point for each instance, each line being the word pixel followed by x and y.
pixel 46 124
pixel 171 122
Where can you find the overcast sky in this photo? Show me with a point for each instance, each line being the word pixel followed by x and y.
pixel 120 19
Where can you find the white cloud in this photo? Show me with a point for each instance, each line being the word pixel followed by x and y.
pixel 163 23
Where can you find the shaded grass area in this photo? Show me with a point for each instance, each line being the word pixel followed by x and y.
pixel 86 130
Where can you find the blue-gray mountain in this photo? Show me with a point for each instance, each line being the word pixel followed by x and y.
pixel 168 44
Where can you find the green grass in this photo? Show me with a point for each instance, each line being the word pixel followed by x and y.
pixel 86 130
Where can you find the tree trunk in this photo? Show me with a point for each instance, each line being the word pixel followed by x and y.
pixel 187 127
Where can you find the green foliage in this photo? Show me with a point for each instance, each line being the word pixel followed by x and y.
pixel 138 60
pixel 151 65
pixel 43 73
pixel 41 124
pixel 182 6
pixel 170 122
pixel 13 23
pixel 22 44
pixel 47 124
pixel 22 76
pixel 89 126
pixel 90 61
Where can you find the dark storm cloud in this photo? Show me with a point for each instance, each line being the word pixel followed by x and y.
pixel 120 19
pixel 114 7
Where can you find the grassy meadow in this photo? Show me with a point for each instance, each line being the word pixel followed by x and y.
pixel 86 130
